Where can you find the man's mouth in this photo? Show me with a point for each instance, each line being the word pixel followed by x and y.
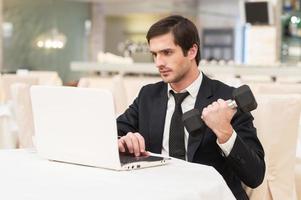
pixel 164 72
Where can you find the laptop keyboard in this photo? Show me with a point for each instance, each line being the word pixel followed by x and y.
pixel 126 158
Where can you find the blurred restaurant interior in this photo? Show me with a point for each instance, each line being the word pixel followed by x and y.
pixel 102 44
pixel 107 31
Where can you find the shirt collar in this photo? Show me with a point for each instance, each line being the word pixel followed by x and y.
pixel 193 88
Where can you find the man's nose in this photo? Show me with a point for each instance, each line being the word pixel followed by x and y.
pixel 159 61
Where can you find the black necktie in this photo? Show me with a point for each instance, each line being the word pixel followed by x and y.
pixel 176 134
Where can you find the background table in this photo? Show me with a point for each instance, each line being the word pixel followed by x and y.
pixel 24 175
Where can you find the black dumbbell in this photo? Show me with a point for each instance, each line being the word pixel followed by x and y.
pixel 242 99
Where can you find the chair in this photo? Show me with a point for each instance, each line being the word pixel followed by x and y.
pixel 8 129
pixel 133 84
pixel 114 84
pixel 298 177
pixel 285 88
pixel 276 120
pixel 46 77
pixel 255 79
pixel 23 113
pixel 288 79
pixel 1 90
pixel 8 79
pixel 279 88
pixel 228 79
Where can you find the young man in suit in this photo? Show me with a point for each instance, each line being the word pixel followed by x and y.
pixel 228 143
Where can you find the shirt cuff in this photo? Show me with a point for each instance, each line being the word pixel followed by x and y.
pixel 227 146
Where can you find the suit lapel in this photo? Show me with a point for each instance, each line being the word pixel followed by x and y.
pixel 157 120
pixel 203 99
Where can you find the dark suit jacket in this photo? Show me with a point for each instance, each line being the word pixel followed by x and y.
pixel 244 164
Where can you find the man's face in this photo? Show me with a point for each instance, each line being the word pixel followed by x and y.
pixel 169 58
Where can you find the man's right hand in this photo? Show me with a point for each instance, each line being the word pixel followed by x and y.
pixel 133 143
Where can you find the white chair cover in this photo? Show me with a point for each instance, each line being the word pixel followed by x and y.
pixel 46 77
pixel 114 84
pixel 133 84
pixel 280 88
pixel 23 112
pixel 298 177
pixel 256 79
pixel 8 79
pixel 276 119
pixel 8 128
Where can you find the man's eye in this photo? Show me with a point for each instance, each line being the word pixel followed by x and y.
pixel 154 55
pixel 167 52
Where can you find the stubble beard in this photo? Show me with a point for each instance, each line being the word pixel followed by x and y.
pixel 173 80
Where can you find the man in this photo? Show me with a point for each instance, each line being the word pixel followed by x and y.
pixel 228 143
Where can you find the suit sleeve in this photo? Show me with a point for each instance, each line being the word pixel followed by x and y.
pixel 247 155
pixel 128 121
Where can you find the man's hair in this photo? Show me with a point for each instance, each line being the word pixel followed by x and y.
pixel 184 31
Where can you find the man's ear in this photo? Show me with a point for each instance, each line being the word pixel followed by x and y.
pixel 192 52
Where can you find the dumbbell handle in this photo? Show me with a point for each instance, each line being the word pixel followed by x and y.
pixel 231 103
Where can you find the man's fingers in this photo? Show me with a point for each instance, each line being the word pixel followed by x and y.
pixel 133 143
pixel 141 142
pixel 121 145
pixel 145 153
pixel 128 143
pixel 222 103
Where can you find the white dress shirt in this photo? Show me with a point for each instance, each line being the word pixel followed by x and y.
pixel 187 105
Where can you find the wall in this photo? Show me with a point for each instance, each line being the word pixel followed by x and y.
pixel 97 34
pixel 222 14
pixel 31 18
pixel 131 27
pixel 218 13
pixel 130 20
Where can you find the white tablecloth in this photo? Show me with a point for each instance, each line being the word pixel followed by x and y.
pixel 24 175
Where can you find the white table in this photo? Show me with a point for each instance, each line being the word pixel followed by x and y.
pixel 24 175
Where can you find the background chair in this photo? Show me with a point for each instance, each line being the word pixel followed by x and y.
pixel 256 79
pixel 279 88
pixel 276 120
pixel 8 129
pixel 23 112
pixel 288 79
pixel 46 77
pixel 8 79
pixel 229 79
pixel 133 84
pixel 114 84
pixel 8 126
pixel 298 177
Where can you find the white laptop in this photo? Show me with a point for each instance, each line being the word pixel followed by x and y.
pixel 78 125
